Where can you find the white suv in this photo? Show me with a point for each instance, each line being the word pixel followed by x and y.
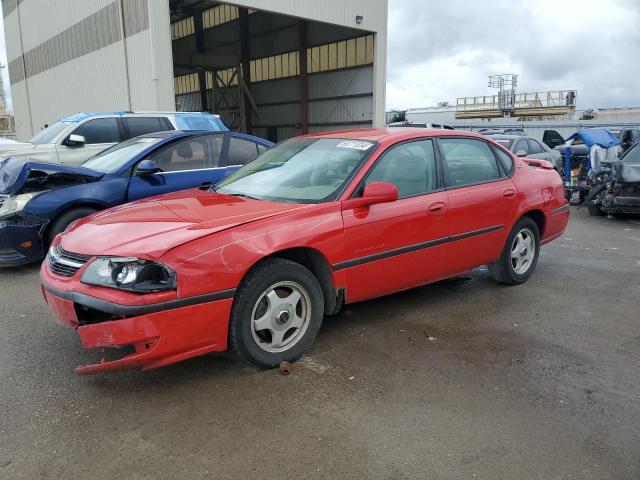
pixel 73 140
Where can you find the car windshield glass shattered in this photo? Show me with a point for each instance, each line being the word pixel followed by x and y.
pixel 114 158
pixel 49 134
pixel 307 170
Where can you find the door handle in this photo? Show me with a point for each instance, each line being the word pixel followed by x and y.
pixel 509 193
pixel 437 208
pixel 205 184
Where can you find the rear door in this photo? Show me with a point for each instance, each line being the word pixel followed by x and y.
pixel 398 245
pixel 482 201
pixel 135 126
pixel 187 163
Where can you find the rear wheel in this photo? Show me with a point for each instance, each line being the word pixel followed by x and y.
pixel 61 223
pixel 520 254
pixel 276 314
pixel 594 209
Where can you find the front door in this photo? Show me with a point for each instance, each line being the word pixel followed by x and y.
pixel 188 163
pixel 99 134
pixel 399 245
pixel 482 201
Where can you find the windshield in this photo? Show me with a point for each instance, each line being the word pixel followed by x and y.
pixel 305 170
pixel 632 157
pixel 114 158
pixel 50 133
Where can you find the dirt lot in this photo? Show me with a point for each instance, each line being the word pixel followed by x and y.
pixel 450 381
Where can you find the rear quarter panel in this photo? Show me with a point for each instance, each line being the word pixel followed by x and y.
pixel 542 190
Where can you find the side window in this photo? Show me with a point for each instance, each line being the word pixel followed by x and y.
pixel 144 125
pixel 411 167
pixel 241 151
pixel 521 146
pixel 189 154
pixel 505 160
pixel 468 161
pixel 214 143
pixel 100 130
pixel 535 147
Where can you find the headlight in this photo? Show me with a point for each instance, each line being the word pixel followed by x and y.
pixel 130 274
pixel 14 204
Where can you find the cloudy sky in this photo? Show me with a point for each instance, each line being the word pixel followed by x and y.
pixel 439 51
pixel 442 50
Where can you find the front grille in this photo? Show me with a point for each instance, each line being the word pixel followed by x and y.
pixel 65 263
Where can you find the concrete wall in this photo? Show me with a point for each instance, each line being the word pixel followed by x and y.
pixel 97 55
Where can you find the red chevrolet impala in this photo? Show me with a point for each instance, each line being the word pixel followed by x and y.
pixel 255 263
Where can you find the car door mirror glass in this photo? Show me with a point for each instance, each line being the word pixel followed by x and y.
pixel 147 167
pixel 75 140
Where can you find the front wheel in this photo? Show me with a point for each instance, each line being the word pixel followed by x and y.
pixel 520 255
pixel 276 314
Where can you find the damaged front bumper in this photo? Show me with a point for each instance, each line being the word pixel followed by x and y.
pixel 145 336
pixel 21 240
pixel 621 204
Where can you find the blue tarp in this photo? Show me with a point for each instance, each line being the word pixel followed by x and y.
pixel 596 136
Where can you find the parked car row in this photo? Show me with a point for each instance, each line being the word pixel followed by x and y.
pixel 40 200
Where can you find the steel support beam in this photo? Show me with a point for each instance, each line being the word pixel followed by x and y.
pixel 304 84
pixel 201 49
pixel 245 66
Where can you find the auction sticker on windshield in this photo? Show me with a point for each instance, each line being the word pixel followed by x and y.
pixel 355 144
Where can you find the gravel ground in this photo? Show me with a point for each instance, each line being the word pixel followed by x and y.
pixel 450 381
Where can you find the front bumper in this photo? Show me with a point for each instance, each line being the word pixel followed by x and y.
pixel 619 204
pixel 149 335
pixel 21 242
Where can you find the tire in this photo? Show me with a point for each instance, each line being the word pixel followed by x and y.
pixel 595 210
pixel 286 299
pixel 61 223
pixel 515 270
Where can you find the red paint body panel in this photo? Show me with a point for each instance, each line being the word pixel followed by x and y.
pixel 211 241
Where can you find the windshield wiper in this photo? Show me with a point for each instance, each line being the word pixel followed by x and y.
pixel 243 195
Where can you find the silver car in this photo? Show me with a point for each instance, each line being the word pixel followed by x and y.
pixel 73 140
pixel 524 146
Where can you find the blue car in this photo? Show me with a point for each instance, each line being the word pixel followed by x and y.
pixel 40 200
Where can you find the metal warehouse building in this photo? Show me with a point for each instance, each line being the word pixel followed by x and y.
pixel 274 68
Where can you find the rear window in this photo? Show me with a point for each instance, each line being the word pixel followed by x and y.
pixel 143 125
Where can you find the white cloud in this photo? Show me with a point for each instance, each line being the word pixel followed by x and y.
pixel 439 51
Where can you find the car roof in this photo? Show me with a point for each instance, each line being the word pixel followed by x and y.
pixel 505 136
pixel 192 133
pixel 78 117
pixel 393 134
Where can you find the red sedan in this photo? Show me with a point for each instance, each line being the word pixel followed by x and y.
pixel 255 263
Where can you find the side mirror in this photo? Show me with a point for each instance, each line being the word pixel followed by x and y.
pixel 147 167
pixel 521 153
pixel 374 193
pixel 74 140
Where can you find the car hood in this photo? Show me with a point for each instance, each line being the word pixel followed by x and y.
pixel 19 147
pixel 23 176
pixel 149 228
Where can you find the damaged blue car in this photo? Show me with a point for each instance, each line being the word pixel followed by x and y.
pixel 40 200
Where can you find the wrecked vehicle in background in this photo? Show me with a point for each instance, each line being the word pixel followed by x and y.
pixel 39 200
pixel 615 187
pixel 579 153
